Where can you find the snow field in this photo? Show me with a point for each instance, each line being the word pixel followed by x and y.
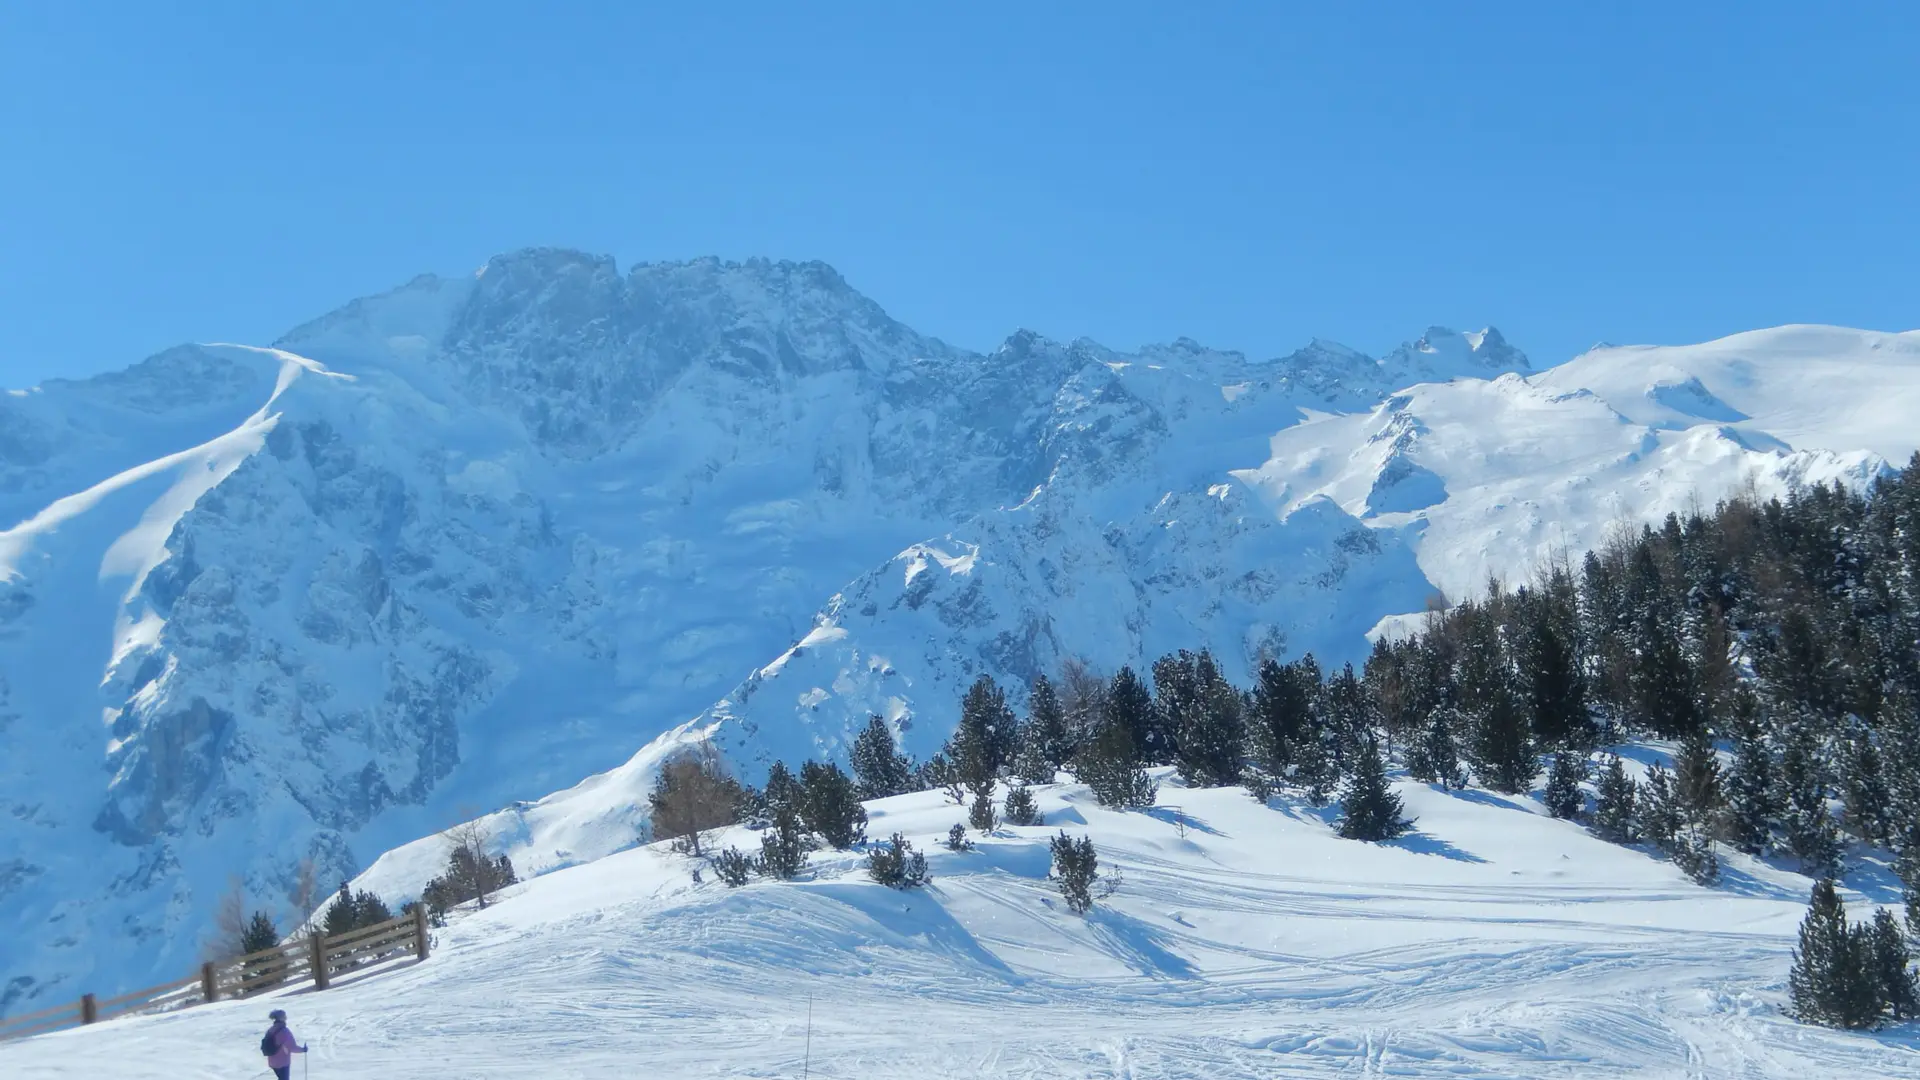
pixel 1243 941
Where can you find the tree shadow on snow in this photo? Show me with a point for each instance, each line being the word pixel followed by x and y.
pixel 1427 844
pixel 1173 815
pixel 919 917
pixel 1488 798
pixel 1137 944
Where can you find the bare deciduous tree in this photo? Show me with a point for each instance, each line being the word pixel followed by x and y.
pixel 226 939
pixel 694 797
pixel 1083 696
pixel 304 892
pixel 467 859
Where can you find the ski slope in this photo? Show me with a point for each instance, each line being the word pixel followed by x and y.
pixel 1243 941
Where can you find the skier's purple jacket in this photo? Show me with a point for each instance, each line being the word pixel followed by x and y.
pixel 289 1046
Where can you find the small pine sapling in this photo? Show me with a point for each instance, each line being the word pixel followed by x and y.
pixel 732 867
pixel 1020 808
pixel 957 839
pixel 1563 796
pixel 896 865
pixel 1076 867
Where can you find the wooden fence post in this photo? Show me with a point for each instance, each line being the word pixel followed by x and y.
pixel 319 961
pixel 209 983
pixel 420 931
pixel 89 1009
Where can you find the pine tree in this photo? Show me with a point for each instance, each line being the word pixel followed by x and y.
pixel 1175 696
pixel 1663 680
pixel 1435 757
pixel 957 839
pixel 896 865
pixel 731 866
pixel 982 743
pixel 260 934
pixel 980 815
pixel 879 767
pixel 1697 784
pixel 1614 813
pixel 1751 784
pixel 783 847
pixel 1109 765
pixel 1863 788
pixel 1893 967
pixel 1128 704
pixel 1369 808
pixel 1564 798
pixel 1832 981
pixel 1020 808
pixel 1076 866
pixel 1810 833
pixel 1049 742
pixel 1502 748
pixel 1556 697
pixel 1658 809
pixel 1212 732
pixel 830 806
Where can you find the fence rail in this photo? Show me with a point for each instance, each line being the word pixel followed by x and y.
pixel 316 959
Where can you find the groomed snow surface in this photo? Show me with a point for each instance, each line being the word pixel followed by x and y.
pixel 1243 941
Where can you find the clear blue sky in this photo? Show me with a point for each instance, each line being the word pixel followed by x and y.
pixel 1249 175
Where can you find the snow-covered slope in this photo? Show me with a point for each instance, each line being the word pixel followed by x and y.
pixel 458 546
pixel 1243 941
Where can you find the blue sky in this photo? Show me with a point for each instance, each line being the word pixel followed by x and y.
pixel 1250 175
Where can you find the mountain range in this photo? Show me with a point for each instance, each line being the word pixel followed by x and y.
pixel 451 548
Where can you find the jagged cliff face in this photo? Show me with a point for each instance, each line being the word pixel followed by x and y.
pixel 467 542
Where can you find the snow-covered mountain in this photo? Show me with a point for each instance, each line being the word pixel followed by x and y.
pixel 458 545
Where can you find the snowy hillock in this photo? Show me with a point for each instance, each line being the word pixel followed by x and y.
pixel 1239 939
pixel 449 550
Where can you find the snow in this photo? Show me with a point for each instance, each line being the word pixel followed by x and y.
pixel 1243 940
pixel 447 551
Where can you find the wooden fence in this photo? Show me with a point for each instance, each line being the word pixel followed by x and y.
pixel 316 959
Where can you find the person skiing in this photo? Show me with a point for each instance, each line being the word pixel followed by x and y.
pixel 283 1043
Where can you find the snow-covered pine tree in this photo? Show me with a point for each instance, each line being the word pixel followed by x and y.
pixel 1751 786
pixel 1614 810
pixel 1563 796
pixel 1657 809
pixel 1863 785
pixel 1369 807
pixel 1046 728
pixel 1175 697
pixel 1811 835
pixel 1663 679
pixel 879 768
pixel 1211 739
pixel 1502 749
pixel 1435 754
pixel 983 740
